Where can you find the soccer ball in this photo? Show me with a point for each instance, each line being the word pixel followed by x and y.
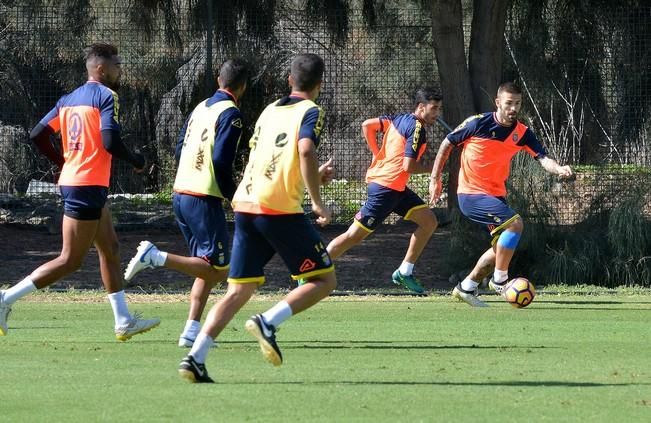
pixel 519 292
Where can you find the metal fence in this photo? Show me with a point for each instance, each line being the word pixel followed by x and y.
pixel 587 108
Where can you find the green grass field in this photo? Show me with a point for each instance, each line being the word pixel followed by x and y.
pixel 565 358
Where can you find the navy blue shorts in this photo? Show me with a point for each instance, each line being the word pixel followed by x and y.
pixel 492 213
pixel 203 224
pixel 258 237
pixel 382 201
pixel 84 202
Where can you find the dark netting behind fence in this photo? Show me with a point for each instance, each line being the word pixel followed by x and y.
pixel 585 76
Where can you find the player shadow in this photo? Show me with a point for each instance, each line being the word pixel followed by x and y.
pixel 610 302
pixel 385 345
pixel 506 383
pixel 528 383
pixel 28 328
pixel 538 307
pixel 405 346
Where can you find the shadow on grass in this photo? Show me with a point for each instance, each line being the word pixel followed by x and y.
pixel 385 345
pixel 548 301
pixel 537 307
pixel 506 383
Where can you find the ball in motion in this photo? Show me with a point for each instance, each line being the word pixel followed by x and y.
pixel 519 292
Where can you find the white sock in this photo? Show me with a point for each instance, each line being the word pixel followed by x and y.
pixel 120 310
pixel 201 346
pixel 406 269
pixel 19 290
pixel 159 258
pixel 500 276
pixel 192 328
pixel 469 285
pixel 277 314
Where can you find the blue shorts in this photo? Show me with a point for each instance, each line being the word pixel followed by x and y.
pixel 382 201
pixel 84 202
pixel 203 224
pixel 258 237
pixel 492 213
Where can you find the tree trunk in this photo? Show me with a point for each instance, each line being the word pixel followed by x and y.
pixel 486 51
pixel 447 33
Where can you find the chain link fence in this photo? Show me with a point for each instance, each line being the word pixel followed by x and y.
pixel 586 85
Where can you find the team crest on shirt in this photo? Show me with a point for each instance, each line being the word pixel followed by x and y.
pixel 515 137
pixel 281 140
pixel 75 128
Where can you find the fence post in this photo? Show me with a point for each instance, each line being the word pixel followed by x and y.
pixel 209 79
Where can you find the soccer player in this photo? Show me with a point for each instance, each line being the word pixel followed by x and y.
pixel 489 142
pixel 87 119
pixel 269 219
pixel 205 152
pixel 400 156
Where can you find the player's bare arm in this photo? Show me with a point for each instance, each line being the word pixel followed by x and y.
pixel 370 128
pixel 435 184
pixel 414 166
pixel 312 179
pixel 552 166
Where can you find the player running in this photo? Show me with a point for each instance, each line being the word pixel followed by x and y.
pixel 87 119
pixel 400 156
pixel 205 152
pixel 489 142
pixel 269 219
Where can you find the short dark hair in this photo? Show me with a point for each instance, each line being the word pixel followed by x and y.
pixel 509 87
pixel 234 73
pixel 307 71
pixel 100 50
pixel 425 95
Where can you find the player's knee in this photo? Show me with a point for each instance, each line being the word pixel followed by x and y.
pixel 356 235
pixel 516 226
pixel 214 276
pixel 240 294
pixel 327 281
pixel 509 239
pixel 111 251
pixel 330 281
pixel 71 263
pixel 429 223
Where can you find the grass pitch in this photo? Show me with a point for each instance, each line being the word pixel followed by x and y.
pixel 564 358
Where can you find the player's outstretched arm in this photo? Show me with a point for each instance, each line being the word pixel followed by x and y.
pixel 312 179
pixel 552 166
pixel 370 128
pixel 435 183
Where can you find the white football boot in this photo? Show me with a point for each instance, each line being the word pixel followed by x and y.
pixel 142 260
pixel 468 297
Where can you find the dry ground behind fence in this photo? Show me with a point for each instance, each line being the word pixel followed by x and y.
pixel 367 267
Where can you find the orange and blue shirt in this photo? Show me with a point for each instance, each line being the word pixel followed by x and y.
pixel 488 148
pixel 404 136
pixel 81 116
